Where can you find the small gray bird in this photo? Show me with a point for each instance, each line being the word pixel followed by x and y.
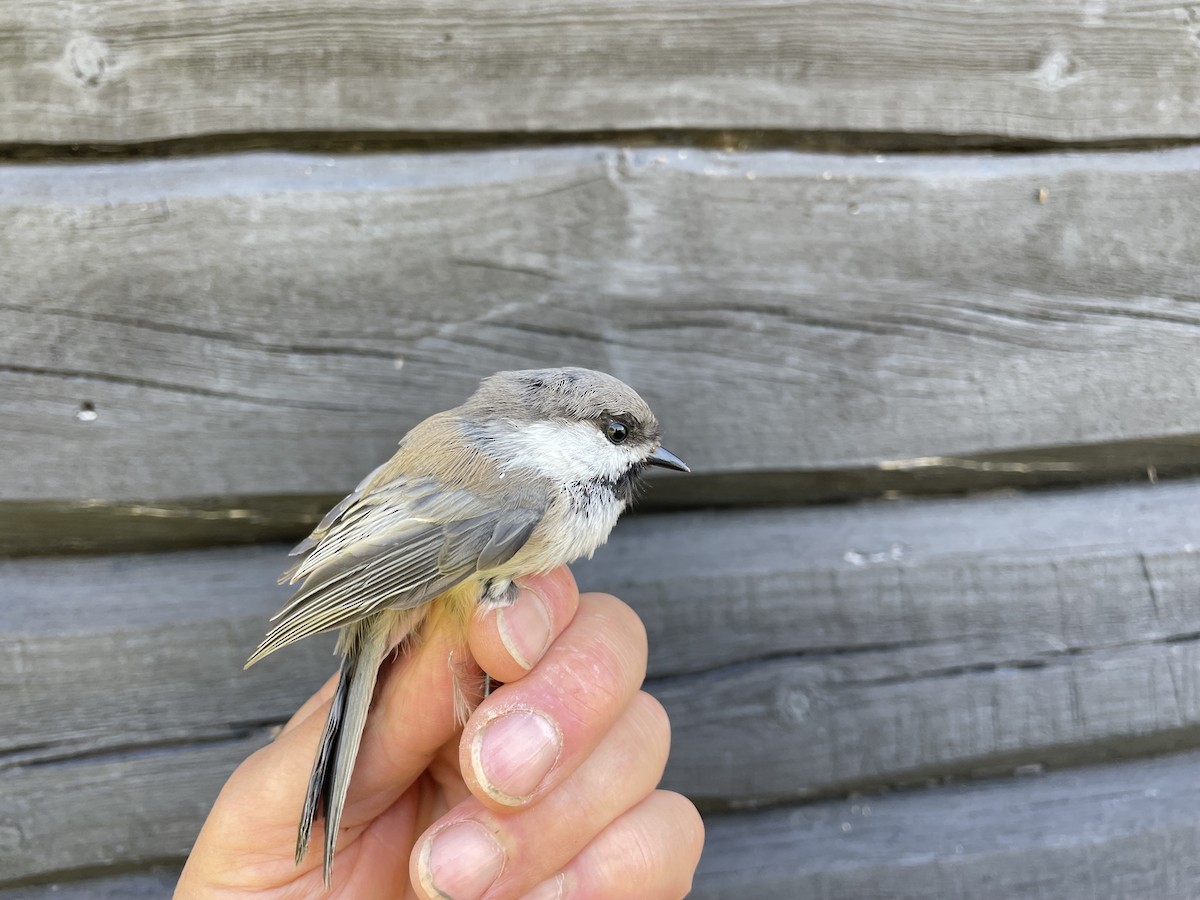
pixel 527 475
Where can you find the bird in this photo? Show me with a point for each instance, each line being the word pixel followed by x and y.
pixel 531 472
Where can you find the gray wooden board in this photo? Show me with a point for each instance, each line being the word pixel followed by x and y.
pixel 860 646
pixel 918 583
pixel 784 730
pixel 156 883
pixel 1119 831
pixel 122 809
pixel 1126 831
pixel 271 324
pixel 1058 69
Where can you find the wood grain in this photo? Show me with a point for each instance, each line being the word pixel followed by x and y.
pixel 1099 833
pixel 1066 70
pixel 270 325
pixel 862 647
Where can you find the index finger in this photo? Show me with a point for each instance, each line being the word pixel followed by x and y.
pixel 533 733
pixel 509 641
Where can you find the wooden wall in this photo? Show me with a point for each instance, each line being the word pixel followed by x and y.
pixel 937 258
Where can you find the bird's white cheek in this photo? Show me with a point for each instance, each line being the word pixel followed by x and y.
pixel 564 452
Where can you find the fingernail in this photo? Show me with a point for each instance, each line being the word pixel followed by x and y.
pixel 525 627
pixel 513 753
pixel 548 890
pixel 461 862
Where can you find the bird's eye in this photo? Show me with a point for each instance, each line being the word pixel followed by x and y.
pixel 616 432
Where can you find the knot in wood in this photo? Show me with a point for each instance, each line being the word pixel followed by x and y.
pixel 88 59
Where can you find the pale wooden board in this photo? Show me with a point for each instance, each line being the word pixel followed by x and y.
pixel 271 324
pixel 1113 832
pixel 800 653
pixel 1054 69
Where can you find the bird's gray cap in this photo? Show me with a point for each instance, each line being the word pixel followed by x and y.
pixel 572 393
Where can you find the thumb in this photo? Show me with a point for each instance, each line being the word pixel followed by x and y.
pixel 412 718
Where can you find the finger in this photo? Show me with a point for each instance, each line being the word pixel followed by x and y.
pixel 474 850
pixel 508 642
pixel 530 735
pixel 650 852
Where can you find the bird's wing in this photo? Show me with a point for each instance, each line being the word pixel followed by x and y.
pixel 393 547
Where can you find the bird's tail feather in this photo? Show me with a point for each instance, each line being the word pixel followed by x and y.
pixel 317 781
pixel 364 645
pixel 373 646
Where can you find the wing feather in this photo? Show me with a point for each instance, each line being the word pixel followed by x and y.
pixel 509 536
pixel 395 547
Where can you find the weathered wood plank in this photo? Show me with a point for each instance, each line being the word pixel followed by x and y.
pixel 869 645
pixel 950 582
pixel 1101 833
pixel 101 654
pixel 155 883
pixel 1114 831
pixel 877 591
pixel 796 729
pixel 130 808
pixel 270 325
pixel 1054 69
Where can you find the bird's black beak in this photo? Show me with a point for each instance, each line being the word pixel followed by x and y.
pixel 667 460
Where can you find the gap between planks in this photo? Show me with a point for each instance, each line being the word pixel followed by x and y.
pixel 730 141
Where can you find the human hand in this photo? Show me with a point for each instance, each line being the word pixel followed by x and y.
pixel 549 792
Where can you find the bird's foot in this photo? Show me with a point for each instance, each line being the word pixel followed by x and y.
pixel 498 593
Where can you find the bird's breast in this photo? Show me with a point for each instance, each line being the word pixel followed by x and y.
pixel 576 522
